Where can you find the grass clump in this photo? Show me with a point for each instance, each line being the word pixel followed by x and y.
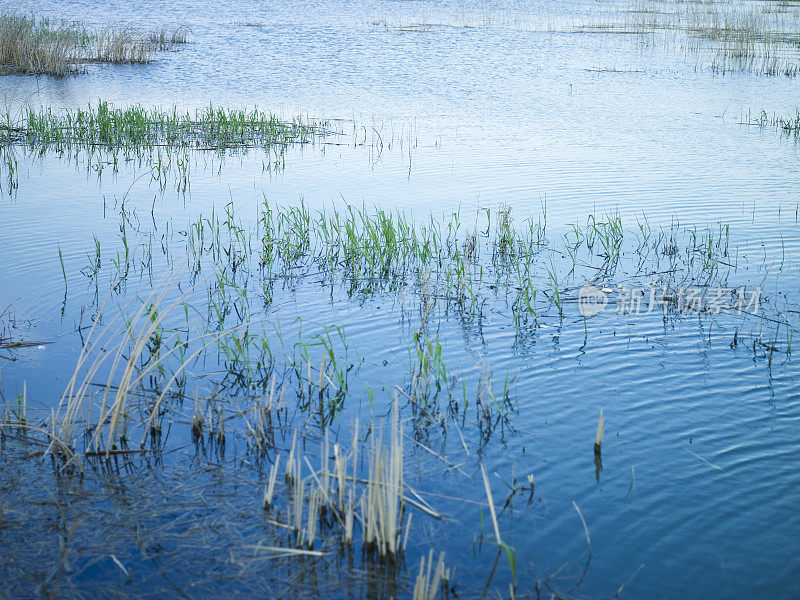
pixel 789 125
pixel 120 46
pixel 38 46
pixel 158 139
pixel 757 37
pixel 137 126
pixel 427 584
pixel 166 39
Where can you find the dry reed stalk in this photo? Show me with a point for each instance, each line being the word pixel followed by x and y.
pixel 427 585
pixel 269 490
pixel 598 436
pixel 492 511
pixel 39 46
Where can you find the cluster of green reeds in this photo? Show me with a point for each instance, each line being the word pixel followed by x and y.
pixel 442 261
pixel 137 126
pixel 152 138
pixel 168 141
pixel 496 262
pixel 232 269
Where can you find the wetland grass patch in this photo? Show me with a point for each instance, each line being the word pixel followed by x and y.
pixel 326 497
pixel 38 46
pixel 135 126
pixel 788 125
pixel 32 45
pixel 105 137
pixel 167 142
pixel 328 491
pixel 446 264
pixel 758 37
pixel 138 363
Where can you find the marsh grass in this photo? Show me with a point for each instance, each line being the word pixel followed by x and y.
pixel 127 351
pixel 430 579
pixel 39 46
pixel 789 125
pixel 167 142
pixel 140 127
pixel 133 363
pixel 128 378
pixel 445 263
pixel 155 139
pixel 117 45
pixel 332 499
pixel 755 37
pixel 751 38
pixel 167 39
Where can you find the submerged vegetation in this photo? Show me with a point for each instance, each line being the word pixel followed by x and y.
pixel 39 46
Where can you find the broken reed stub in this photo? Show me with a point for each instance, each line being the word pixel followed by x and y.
pixel 601 429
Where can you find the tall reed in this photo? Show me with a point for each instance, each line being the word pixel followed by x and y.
pixel 40 46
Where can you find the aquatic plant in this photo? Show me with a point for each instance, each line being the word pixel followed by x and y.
pixel 427 584
pixel 40 46
pixel 159 140
pixel 165 39
pixel 753 37
pixel 139 127
pixel 789 125
pixel 442 264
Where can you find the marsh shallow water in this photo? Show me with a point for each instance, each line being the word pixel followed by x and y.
pixel 483 109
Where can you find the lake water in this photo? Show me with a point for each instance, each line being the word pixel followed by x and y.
pixel 466 107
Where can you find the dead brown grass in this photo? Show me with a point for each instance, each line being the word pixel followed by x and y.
pixel 36 46
pixel 32 46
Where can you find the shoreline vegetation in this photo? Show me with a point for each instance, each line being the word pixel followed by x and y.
pixel 31 45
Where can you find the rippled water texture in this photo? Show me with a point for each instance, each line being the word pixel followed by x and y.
pixel 466 106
